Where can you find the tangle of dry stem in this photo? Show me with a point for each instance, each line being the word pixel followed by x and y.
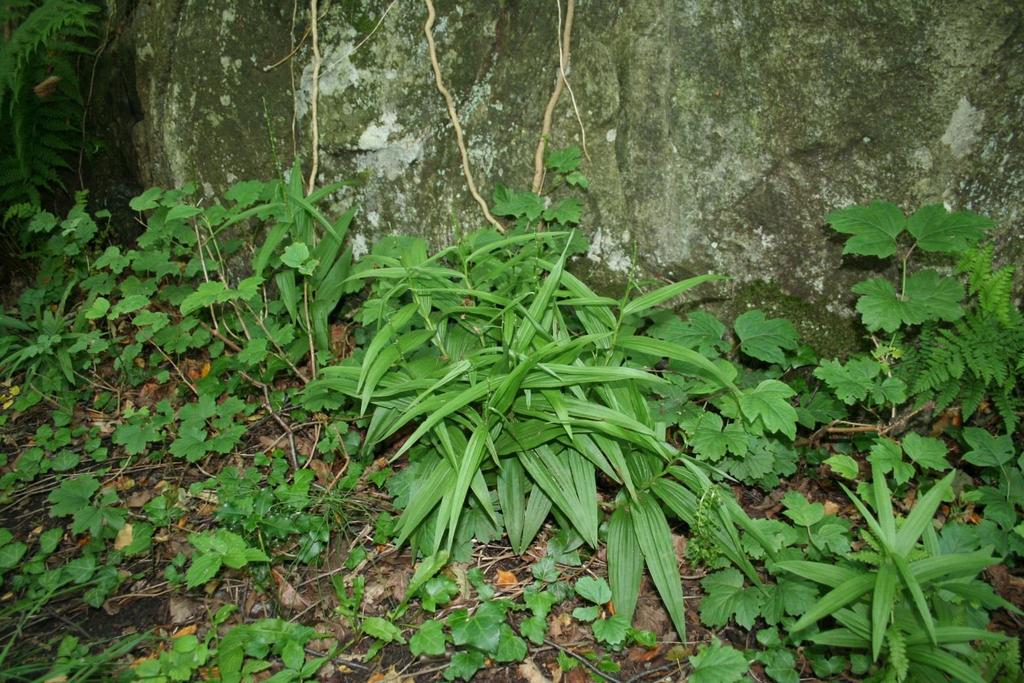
pixel 432 49
pixel 314 96
pixel 561 82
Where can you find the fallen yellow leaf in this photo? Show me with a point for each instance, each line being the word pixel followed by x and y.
pixel 124 537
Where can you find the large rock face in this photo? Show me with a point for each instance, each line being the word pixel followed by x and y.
pixel 719 133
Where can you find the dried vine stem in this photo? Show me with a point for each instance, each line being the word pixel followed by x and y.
pixel 561 82
pixel 314 96
pixel 428 28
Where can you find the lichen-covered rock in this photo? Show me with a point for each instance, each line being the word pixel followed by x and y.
pixel 719 133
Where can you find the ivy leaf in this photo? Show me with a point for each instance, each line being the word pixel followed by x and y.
pixel 73 495
pixel 874 228
pixel 764 339
pixel 768 403
pixel 926 451
pixel 612 630
pixel 987 450
pixel 534 628
pixel 801 510
pixel 511 648
pixel 936 229
pixel 481 630
pixel 717 663
pixel 594 590
pixel 464 665
pixel 586 614
pixel 851 382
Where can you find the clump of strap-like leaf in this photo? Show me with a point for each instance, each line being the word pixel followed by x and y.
pixel 912 602
pixel 521 388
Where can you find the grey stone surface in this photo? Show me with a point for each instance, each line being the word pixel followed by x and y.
pixel 719 133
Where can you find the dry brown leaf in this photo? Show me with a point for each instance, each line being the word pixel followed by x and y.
pixel 323 471
pixel 124 537
pixel 182 610
pixel 286 593
pixel 506 579
pixel 139 498
pixel 529 672
pixel 189 630
pixel 831 508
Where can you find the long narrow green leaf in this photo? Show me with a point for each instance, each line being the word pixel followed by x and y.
pixel 663 294
pixel 524 335
pixel 426 498
pixel 881 604
pixel 449 404
pixel 840 596
pixel 921 515
pixel 289 292
pixel 625 562
pixel 870 520
pixel 537 510
pixel 549 471
pixel 383 338
pixel 655 540
pixel 920 602
pixel 468 468
pixel 840 637
pixel 828 574
pixel 944 662
pixel 696 363
pixel 883 507
pixel 512 496
pixel 960 565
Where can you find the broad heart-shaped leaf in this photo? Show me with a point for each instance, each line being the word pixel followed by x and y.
pixel 929 296
pixel 936 229
pixel 987 450
pixel 874 228
pixel 768 403
pixel 717 663
pixel 765 339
